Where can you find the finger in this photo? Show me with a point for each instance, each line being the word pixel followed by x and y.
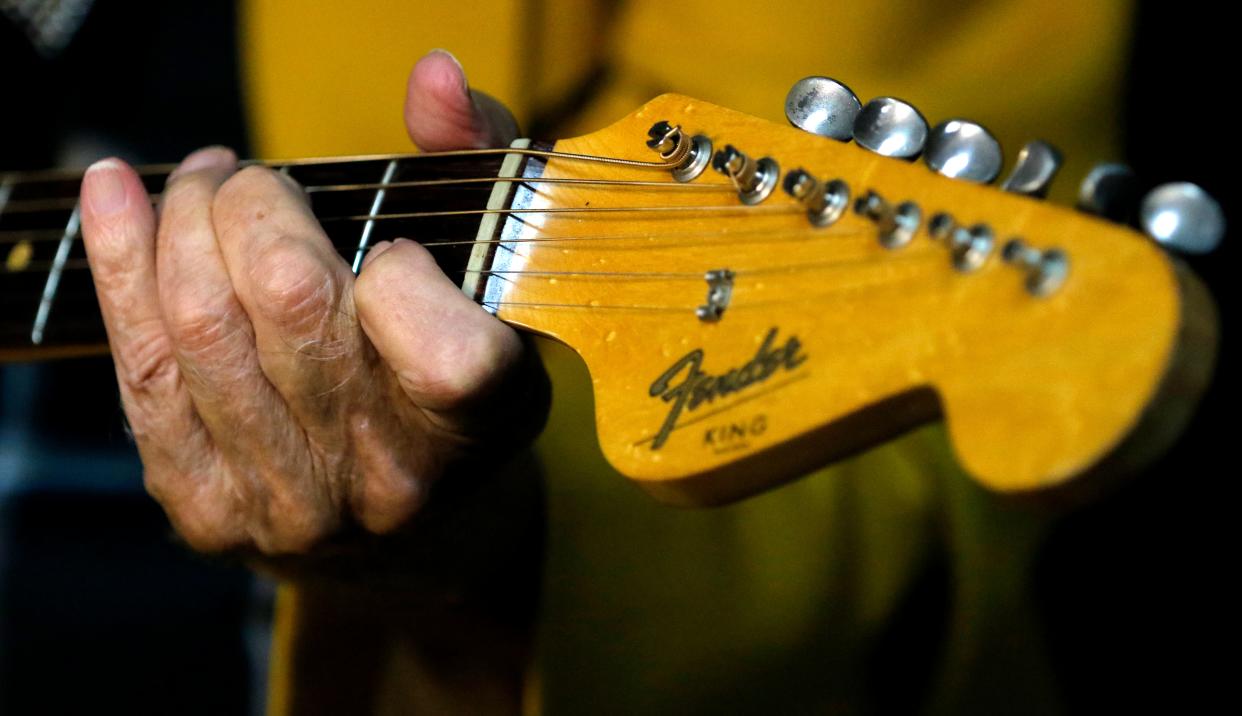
pixel 448 354
pixel 297 293
pixel 214 343
pixel 118 231
pixel 443 113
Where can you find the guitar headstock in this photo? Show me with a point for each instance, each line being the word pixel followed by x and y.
pixel 738 336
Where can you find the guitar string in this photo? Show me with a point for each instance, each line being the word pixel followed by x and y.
pixel 27 206
pixel 13 236
pixel 166 168
pixel 916 258
pixel 725 236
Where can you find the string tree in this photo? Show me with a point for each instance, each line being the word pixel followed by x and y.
pixel 825 202
pixel 719 293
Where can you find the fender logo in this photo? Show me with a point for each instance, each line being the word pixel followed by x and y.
pixel 698 387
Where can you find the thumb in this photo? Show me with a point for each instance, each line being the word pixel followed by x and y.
pixel 443 113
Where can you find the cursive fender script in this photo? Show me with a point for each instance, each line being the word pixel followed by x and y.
pixel 698 387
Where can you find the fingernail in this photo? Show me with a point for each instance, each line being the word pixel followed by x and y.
pixel 461 71
pixel 103 187
pixel 205 158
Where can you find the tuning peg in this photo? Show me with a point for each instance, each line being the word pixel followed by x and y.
pixel 1183 217
pixel 1037 164
pixel 891 127
pixel 961 149
pixel 1109 190
pixel 822 106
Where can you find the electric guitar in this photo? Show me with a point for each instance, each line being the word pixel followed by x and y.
pixel 752 301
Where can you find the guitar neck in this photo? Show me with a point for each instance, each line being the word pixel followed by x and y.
pixel 440 201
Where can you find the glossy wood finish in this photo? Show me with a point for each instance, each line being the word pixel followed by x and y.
pixel 1034 390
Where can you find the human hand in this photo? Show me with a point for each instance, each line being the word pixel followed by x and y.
pixel 275 399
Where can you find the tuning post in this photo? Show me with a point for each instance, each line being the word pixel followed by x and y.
pixel 970 246
pixel 897 224
pixel 825 202
pixel 1046 269
pixel 688 156
pixel 719 292
pixel 754 180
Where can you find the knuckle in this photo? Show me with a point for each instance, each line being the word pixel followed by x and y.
pixel 295 516
pixel 201 327
pixel 205 525
pixel 290 286
pixel 389 501
pixel 245 200
pixel 145 363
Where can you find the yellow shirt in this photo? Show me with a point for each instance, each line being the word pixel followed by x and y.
pixel 777 604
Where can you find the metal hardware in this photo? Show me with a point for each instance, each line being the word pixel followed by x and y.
pixel 1110 191
pixel 970 247
pixel 1037 164
pixel 1183 217
pixel 689 156
pixel 754 180
pixel 961 149
pixel 1046 269
pixel 822 106
pixel 825 202
pixel 891 127
pixel 719 291
pixel 897 224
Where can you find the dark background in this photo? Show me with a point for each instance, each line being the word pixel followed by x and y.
pixel 101 610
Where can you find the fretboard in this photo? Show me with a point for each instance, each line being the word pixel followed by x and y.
pixel 48 296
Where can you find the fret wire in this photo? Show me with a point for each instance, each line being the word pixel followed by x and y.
pixel 365 239
pixel 53 277
pixel 6 189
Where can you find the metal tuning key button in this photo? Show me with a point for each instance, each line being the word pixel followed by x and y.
pixel 961 149
pixel 754 179
pixel 897 224
pixel 891 127
pixel 825 202
pixel 822 106
pixel 1037 164
pixel 1110 191
pixel 1182 217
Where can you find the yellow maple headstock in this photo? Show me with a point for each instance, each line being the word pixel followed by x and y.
pixel 830 341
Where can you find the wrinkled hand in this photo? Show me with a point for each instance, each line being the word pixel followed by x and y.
pixel 274 398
